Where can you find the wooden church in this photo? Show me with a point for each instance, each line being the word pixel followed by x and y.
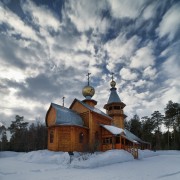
pixel 82 127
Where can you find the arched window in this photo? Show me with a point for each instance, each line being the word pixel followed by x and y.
pixel 51 136
pixel 81 137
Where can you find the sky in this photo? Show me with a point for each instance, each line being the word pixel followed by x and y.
pixel 48 47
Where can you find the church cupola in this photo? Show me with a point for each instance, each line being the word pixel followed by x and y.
pixel 88 92
pixel 114 106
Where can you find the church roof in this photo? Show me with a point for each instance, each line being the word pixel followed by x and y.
pixel 66 116
pixel 134 137
pixel 94 109
pixel 112 129
pixel 127 134
pixel 113 98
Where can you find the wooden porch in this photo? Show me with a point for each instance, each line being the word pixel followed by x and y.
pixel 120 142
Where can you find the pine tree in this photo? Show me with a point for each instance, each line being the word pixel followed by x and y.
pixel 172 120
pixel 18 129
pixel 4 141
pixel 148 127
pixel 157 119
pixel 135 126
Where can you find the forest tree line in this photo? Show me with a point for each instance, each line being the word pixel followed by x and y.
pixel 150 128
pixel 25 137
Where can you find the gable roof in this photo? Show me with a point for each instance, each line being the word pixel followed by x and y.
pixel 66 116
pixel 94 109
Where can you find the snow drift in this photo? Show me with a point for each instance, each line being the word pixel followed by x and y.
pixel 78 160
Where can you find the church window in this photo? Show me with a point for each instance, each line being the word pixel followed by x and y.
pixel 81 137
pixel 110 108
pixel 51 136
pixel 117 140
pixel 117 107
pixel 107 140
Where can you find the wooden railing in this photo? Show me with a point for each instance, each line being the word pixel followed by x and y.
pixel 132 150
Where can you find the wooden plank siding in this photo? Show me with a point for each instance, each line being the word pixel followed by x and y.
pixel 66 138
pixel 79 108
pixel 95 129
pixel 92 120
pixel 51 116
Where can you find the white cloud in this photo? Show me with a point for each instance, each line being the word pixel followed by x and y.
pixel 127 74
pixel 172 66
pixel 85 15
pixel 150 72
pixel 151 10
pixel 172 93
pixel 121 46
pixel 10 101
pixel 140 83
pixel 142 95
pixel 41 15
pixel 16 25
pixel 13 73
pixel 170 24
pixel 120 50
pixel 143 58
pixel 71 55
pixel 170 70
pixel 126 9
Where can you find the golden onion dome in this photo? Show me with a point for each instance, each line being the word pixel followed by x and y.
pixel 113 84
pixel 88 91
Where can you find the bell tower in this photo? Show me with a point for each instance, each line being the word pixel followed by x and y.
pixel 114 107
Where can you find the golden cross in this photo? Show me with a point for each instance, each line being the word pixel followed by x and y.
pixel 63 100
pixel 112 76
pixel 88 77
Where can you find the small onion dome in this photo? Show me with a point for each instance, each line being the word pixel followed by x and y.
pixel 88 91
pixel 113 84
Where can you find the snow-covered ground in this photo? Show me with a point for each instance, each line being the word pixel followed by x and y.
pixel 110 165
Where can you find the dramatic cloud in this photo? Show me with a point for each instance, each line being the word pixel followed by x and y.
pixel 143 58
pixel 41 15
pixel 120 50
pixel 48 47
pixel 127 74
pixel 16 24
pixel 86 15
pixel 126 9
pixel 170 23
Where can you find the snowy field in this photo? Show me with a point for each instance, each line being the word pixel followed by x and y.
pixel 110 165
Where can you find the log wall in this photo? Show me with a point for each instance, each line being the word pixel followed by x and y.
pixel 66 138
pixel 51 117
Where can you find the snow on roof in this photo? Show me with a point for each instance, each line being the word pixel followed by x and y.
pixel 67 116
pixel 114 130
pixel 133 137
pixel 128 138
